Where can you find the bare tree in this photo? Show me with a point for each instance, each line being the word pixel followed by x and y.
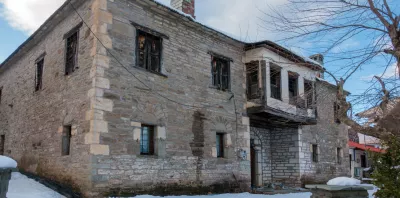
pixel 332 24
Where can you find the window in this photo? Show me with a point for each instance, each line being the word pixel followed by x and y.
pixel 339 155
pixel 336 109
pixel 149 51
pixel 2 144
pixel 1 92
pixel 66 140
pixel 220 73
pixel 39 74
pixel 71 53
pixel 275 78
pixel 315 153
pixel 147 140
pixel 363 161
pixel 309 93
pixel 252 81
pixel 293 88
pixel 220 145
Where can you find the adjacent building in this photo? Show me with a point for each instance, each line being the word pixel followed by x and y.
pixel 132 96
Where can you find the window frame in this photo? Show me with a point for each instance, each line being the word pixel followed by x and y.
pixel 272 69
pixel 66 140
pixel 145 64
pixel 219 72
pixel 314 153
pixel 309 97
pixel 67 36
pixel 151 142
pixel 220 144
pixel 336 109
pixel 293 75
pixel 39 81
pixel 339 155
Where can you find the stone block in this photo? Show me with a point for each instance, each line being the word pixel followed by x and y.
pixel 98 126
pixel 102 104
pixel 161 133
pixel 98 149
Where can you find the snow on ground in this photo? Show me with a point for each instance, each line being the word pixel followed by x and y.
pixel 344 181
pixel 22 187
pixel 6 162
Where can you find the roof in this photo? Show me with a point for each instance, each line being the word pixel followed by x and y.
pixel 271 45
pixel 365 147
pixel 282 51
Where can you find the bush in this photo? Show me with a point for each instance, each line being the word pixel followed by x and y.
pixel 387 169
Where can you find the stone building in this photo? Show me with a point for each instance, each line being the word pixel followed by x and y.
pixel 130 96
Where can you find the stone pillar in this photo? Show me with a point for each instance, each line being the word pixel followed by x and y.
pixel 99 104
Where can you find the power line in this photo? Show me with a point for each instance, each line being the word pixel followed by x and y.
pixel 122 65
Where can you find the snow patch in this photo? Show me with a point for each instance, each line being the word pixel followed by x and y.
pixel 344 181
pixel 22 187
pixel 6 162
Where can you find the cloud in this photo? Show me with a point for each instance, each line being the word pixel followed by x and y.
pixel 28 15
pixel 390 72
pixel 238 18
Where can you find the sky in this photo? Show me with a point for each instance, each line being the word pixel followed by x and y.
pixel 241 18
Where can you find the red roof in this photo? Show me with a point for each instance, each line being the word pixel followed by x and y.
pixel 365 147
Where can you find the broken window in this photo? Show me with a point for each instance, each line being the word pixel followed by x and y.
pixel 66 140
pixel 339 155
pixel 2 144
pixel 39 74
pixel 221 73
pixel 149 51
pixel 293 88
pixel 336 109
pixel 147 140
pixel 314 156
pixel 309 93
pixel 275 78
pixel 220 145
pixel 71 53
pixel 252 81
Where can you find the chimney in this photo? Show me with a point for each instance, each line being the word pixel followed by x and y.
pixel 186 6
pixel 319 58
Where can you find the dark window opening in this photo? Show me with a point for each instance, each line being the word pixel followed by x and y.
pixel 66 140
pixel 336 109
pixel 2 144
pixel 147 140
pixel 339 155
pixel 220 73
pixel 293 88
pixel 253 91
pixel 309 94
pixel 39 75
pixel 275 78
pixel 315 153
pixel 72 53
pixel 363 161
pixel 1 93
pixel 220 145
pixel 149 51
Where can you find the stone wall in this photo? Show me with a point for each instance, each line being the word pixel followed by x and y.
pixel 279 149
pixel 185 156
pixel 329 136
pixel 32 122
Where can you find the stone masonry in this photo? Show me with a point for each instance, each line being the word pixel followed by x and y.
pixel 108 99
pixel 329 136
pixel 106 105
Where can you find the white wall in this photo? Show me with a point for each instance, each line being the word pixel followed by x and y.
pixel 286 65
